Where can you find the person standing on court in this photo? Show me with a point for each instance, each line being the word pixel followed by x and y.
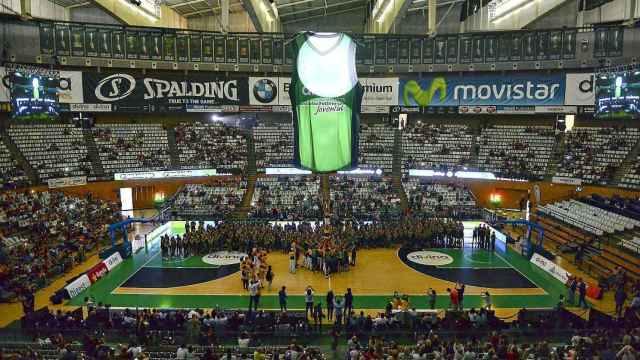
pixel 353 255
pixel 486 300
pixel 460 290
pixel 620 298
pixel 338 304
pixel 292 261
pixel 348 303
pixel 330 305
pixel 269 277
pixel 453 297
pixel 282 297
pixel 432 296
pixel 571 291
pixel 254 294
pixel 308 299
pixel 582 293
pixel 317 316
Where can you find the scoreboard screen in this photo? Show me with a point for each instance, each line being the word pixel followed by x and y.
pixel 618 95
pixel 34 96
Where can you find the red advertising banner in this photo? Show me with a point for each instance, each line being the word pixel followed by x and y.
pixel 97 272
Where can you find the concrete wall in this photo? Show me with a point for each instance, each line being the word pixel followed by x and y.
pixel 415 22
pixel 10 7
pixel 92 14
pixel 238 22
pixel 564 15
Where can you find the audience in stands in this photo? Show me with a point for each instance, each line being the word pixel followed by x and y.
pixel 363 198
pixel 273 144
pixel 211 146
pixel 49 232
pixel 286 198
pixel 430 199
pixel 214 201
pixel 442 147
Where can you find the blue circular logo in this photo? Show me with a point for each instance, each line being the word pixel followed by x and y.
pixel 265 91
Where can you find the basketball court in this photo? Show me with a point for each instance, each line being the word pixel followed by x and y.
pixel 149 280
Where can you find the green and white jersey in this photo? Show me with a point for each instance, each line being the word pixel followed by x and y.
pixel 326 96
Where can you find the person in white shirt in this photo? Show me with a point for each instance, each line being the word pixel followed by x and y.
pixel 254 294
pixel 181 353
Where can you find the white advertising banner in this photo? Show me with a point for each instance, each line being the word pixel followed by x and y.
pixel 580 89
pixel 137 243
pixel 79 285
pixel 557 109
pixel 66 182
pixel 112 261
pixel 147 175
pixel 566 180
pixel 5 92
pixel 550 267
pixel 380 91
pixel 73 95
pixel 90 107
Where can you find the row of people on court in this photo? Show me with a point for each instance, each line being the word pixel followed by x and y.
pixel 483 237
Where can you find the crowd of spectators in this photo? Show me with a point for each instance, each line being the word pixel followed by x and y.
pixel 211 146
pixel 49 232
pixel 441 147
pixel 132 147
pixel 274 144
pixel 11 175
pixel 430 199
pixel 216 200
pixel 286 198
pixel 363 198
pixel 376 146
pixel 594 154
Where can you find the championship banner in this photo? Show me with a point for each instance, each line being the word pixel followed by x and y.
pixel 97 272
pixel 267 50
pixel 79 285
pixel 517 89
pixel 163 92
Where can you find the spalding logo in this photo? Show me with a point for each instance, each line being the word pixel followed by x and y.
pixel 115 87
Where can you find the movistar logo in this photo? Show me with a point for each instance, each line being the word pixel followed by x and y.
pixel 424 97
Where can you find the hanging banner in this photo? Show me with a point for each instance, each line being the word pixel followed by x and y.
pixel 504 47
pixel 254 51
pixel 516 47
pixel 466 46
pixel 67 182
pixel 207 48
pixel 517 89
pixel 63 40
pixel 267 50
pixel 278 51
pixel 133 45
pixel 416 51
pixel 169 47
pixel 569 44
pixel 219 49
pixel 615 41
pixel 381 51
pixel 243 50
pixel 392 51
pixel 195 48
pixel 404 51
pixel 555 45
pixel 163 93
pixel 232 49
pixel 182 47
pixel 440 50
pixel 490 49
pixel 46 38
pixel 77 41
pixel 112 42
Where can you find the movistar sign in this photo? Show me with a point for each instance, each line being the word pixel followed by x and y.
pixel 508 89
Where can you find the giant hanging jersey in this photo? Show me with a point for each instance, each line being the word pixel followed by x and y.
pixel 326 96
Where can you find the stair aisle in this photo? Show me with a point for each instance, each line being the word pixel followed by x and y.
pixel 33 175
pixel 93 153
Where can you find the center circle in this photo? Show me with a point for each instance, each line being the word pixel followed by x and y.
pixel 221 258
pixel 432 258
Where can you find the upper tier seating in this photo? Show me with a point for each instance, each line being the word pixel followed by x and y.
pixel 588 218
pixel 376 146
pixel 54 150
pixel 132 147
pixel 594 154
pixel 274 145
pixel 516 151
pixel 286 198
pixel 429 146
pixel 631 178
pixel 363 198
pixel 211 146
pixel 216 200
pixel 11 175
pixel 440 200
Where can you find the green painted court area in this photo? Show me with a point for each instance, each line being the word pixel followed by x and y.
pixel 468 260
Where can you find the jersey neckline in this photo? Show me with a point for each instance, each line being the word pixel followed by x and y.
pixel 308 34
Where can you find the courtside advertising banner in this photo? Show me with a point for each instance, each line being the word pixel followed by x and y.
pixel 580 89
pixel 79 285
pixel 97 272
pixel 135 93
pixel 113 261
pixel 514 89
pixel 270 91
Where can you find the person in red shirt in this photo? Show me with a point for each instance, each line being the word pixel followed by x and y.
pixel 453 296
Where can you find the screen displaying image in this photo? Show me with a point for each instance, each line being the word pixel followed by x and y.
pixel 618 95
pixel 34 97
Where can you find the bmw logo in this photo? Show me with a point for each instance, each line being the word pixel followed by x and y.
pixel 265 91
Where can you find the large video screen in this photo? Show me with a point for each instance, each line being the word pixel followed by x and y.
pixel 34 96
pixel 618 95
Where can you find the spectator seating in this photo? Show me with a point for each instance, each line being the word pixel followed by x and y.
pixel 376 146
pixel 55 231
pixel 132 147
pixel 516 151
pixel 11 175
pixel 211 146
pixel 440 200
pixel 286 198
pixel 217 200
pixel 274 145
pixel 631 179
pixel 363 198
pixel 53 150
pixel 435 146
pixel 593 154
pixel 588 218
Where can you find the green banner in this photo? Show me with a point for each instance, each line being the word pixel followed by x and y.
pixel 77 41
pixel 46 39
pixel 132 45
pixel 478 49
pixel 615 41
pixel 219 49
pixel 529 46
pixel 427 50
pixel 381 51
pixel 63 40
pixel 255 50
pixel 600 45
pixel 91 40
pixel 490 49
pixel 368 50
pixel 404 51
pixel 278 51
pixel 156 46
pixel 516 47
pixel 232 49
pixel 144 37
pixel 289 53
pixel 569 44
pixel 182 47
pixel 504 47
pixel 555 45
pixel 466 46
pixel 195 48
pixel 392 51
pixel 542 47
pixel 169 47
pixel 416 51
pixel 267 50
pixel 440 51
pixel 112 41
pixel 207 48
